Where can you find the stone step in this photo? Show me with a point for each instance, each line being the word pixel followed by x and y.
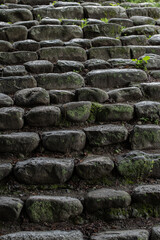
pixel 122 234
pixel 44 235
pixel 52 209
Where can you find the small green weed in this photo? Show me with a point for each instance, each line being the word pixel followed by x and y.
pixel 141 63
pixel 104 20
pixel 84 23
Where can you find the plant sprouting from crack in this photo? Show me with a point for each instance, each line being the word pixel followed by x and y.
pixel 141 63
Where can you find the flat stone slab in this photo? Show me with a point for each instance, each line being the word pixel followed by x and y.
pixel 136 234
pixel 43 116
pixel 115 112
pixel 77 111
pixel 44 235
pixel 147 194
pixel 113 78
pixel 52 209
pixel 15 70
pixel 10 208
pixel 105 41
pixel 52 32
pixel 12 84
pixel 145 11
pixel 106 30
pixel 26 45
pixel 91 94
pixel 151 90
pixel 147 110
pixel 141 30
pixel 21 142
pixel 11 118
pixel 105 53
pixel 145 137
pixel 138 165
pixel 15 15
pixel 61 96
pixel 54 54
pixel 43 170
pixel 39 66
pixel 5 46
pixel 99 12
pixel 69 12
pixel 54 141
pixel 5 170
pixel 104 199
pixel 125 94
pixel 14 33
pixel 94 167
pixel 103 135
pixel 32 97
pixel 69 80
pixel 68 66
pixel 17 57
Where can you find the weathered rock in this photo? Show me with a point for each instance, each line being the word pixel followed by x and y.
pixel 39 66
pixel 12 84
pixel 54 141
pixel 43 116
pixel 5 170
pixel 17 57
pixel 151 90
pixel 61 96
pixel 94 64
pixel 51 43
pixel 36 2
pixel 15 15
pixel 112 78
pixel 69 12
pixel 122 21
pixel 146 194
pixel 155 74
pixel 137 51
pixel 139 20
pixel 77 111
pixel 152 12
pixel 5 100
pixel 67 66
pixel 122 234
pixel 54 54
pixel 155 233
pixel 14 33
pixel 105 41
pixel 152 63
pixel 73 22
pixel 107 30
pixel 147 110
pixel 91 94
pixel 106 134
pixel 50 21
pixel 15 70
pixel 5 46
pixel 94 167
pixel 27 45
pixel 97 202
pixel 121 63
pixel 43 170
pixel 134 40
pixel 11 118
pixel 52 32
pixel 10 208
pixel 69 80
pixel 99 12
pixel 32 97
pixel 138 165
pixel 52 209
pixel 154 40
pixel 63 4
pixel 44 235
pixel 27 24
pixel 141 30
pixel 115 112
pixel 106 53
pixel 145 137
pixel 21 142
pixel 125 94
pixel 84 43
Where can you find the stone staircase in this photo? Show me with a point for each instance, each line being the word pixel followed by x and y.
pixel 79 120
